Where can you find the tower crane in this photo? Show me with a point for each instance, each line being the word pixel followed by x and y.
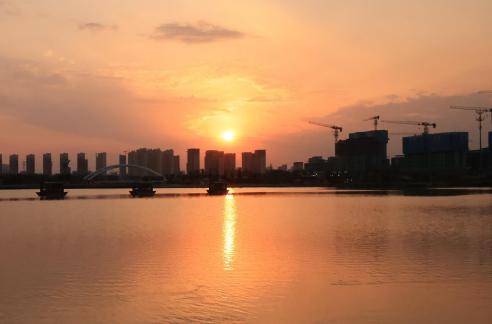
pixel 416 123
pixel 336 129
pixel 481 115
pixel 375 120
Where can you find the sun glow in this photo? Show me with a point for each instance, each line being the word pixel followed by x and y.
pixel 228 136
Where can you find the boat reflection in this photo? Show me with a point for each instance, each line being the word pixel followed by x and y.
pixel 229 232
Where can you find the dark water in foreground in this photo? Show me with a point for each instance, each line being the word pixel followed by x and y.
pixel 295 257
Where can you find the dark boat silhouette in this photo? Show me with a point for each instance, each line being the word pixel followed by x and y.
pixel 218 188
pixel 52 191
pixel 140 190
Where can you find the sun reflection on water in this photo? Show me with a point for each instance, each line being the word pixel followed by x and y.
pixel 229 232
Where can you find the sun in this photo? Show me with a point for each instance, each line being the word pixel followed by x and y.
pixel 228 136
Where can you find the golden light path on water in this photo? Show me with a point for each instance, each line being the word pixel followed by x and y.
pixel 229 232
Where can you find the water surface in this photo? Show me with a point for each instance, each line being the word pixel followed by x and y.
pixel 285 255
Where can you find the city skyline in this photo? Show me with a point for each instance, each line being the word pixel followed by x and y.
pixel 81 163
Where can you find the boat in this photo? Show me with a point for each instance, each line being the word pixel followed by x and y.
pixel 218 188
pixel 52 191
pixel 142 190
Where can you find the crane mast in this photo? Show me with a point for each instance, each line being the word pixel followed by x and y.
pixel 481 116
pixel 375 120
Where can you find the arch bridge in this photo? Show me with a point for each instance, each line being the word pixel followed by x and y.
pixel 96 173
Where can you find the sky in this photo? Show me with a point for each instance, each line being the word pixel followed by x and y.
pixel 115 75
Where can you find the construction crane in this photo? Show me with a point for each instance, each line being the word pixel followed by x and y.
pixel 481 115
pixel 336 129
pixel 425 124
pixel 375 120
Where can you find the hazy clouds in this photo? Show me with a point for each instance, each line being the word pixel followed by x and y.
pixel 201 32
pixel 68 102
pixel 95 27
pixel 8 8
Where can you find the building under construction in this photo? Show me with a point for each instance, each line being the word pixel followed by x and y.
pixel 440 154
pixel 363 152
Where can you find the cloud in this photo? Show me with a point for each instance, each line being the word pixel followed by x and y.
pixel 69 102
pixel 95 27
pixel 201 32
pixel 8 8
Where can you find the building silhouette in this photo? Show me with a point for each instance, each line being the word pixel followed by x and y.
pixel 230 165
pixel 30 164
pixel 47 165
pixel 137 157
pixel 247 163
pixel 14 164
pixel 253 163
pixel 101 161
pixel 297 166
pixel 259 161
pixel 154 160
pixel 122 160
pixel 82 164
pixel 283 167
pixel 176 165
pixel 64 164
pixel 167 162
pixel 193 162
pixel 363 152
pixel 214 163
pixel 163 162
pixel 435 154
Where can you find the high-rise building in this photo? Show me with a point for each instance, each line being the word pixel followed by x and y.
pixel 138 157
pixel 64 164
pixel 154 160
pixel 82 164
pixel 47 165
pixel 101 161
pixel 132 160
pixel 14 164
pixel 247 164
pixel 259 163
pixel 214 163
pixel 163 162
pixel 30 164
pixel 167 162
pixel 176 166
pixel 230 165
pixel 122 161
pixel 193 162
pixel 254 163
pixel 364 152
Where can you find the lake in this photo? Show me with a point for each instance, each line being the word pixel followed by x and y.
pixel 269 255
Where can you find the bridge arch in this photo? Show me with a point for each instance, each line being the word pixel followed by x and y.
pixel 96 173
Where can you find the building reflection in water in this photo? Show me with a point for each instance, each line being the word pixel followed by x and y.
pixel 229 232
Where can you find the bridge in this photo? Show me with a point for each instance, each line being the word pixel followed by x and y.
pixel 96 173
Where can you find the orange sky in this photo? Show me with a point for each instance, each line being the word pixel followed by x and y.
pixel 115 75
